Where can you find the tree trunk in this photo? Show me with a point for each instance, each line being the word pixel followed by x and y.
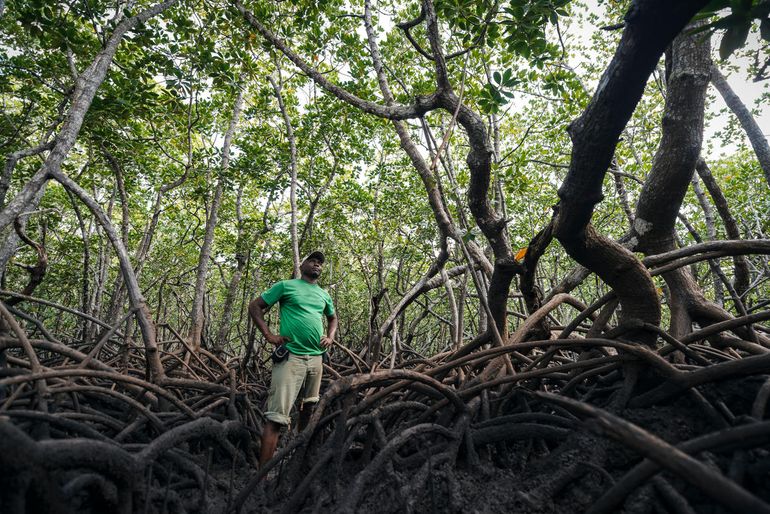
pixel 620 189
pixel 711 234
pixel 649 28
pixel 144 318
pixel 672 168
pixel 753 130
pixel 100 281
pixel 277 88
pixel 85 294
pixel 479 161
pixel 85 88
pixel 455 328
pixel 741 262
pixel 197 317
pixel 232 288
pixel 307 227
pixel 435 199
pixel 118 290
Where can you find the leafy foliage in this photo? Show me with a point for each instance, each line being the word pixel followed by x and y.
pixel 162 112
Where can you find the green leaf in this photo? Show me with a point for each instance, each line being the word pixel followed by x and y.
pixel 496 76
pixel 553 17
pixel 734 38
pixel 511 82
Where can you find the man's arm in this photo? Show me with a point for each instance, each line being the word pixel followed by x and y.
pixel 331 331
pixel 257 309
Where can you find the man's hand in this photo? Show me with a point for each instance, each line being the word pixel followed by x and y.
pixel 276 340
pixel 331 331
pixel 257 309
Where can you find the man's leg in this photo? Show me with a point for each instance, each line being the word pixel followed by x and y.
pixel 270 433
pixel 305 411
pixel 285 385
pixel 311 389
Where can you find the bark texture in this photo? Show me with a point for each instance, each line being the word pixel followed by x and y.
pixel 688 62
pixel 753 130
pixel 741 263
pixel 594 135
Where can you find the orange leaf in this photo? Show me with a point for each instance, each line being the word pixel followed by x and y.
pixel 521 254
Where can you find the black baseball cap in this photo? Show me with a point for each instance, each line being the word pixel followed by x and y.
pixel 315 255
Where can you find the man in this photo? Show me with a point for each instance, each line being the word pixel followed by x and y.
pixel 302 306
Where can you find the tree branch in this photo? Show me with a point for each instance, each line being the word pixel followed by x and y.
pixel 422 104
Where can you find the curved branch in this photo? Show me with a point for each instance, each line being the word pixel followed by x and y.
pixel 740 436
pixel 719 249
pixel 10 164
pixel 746 119
pixel 36 272
pixel 422 104
pixel 82 96
pixel 722 371
pixel 742 273
pixel 143 315
pixel 595 134
pixel 710 482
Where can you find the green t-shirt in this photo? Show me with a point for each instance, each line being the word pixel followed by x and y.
pixel 302 307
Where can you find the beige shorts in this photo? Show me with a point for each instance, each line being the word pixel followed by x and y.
pixel 297 374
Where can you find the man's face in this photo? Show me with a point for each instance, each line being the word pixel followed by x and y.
pixel 312 267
